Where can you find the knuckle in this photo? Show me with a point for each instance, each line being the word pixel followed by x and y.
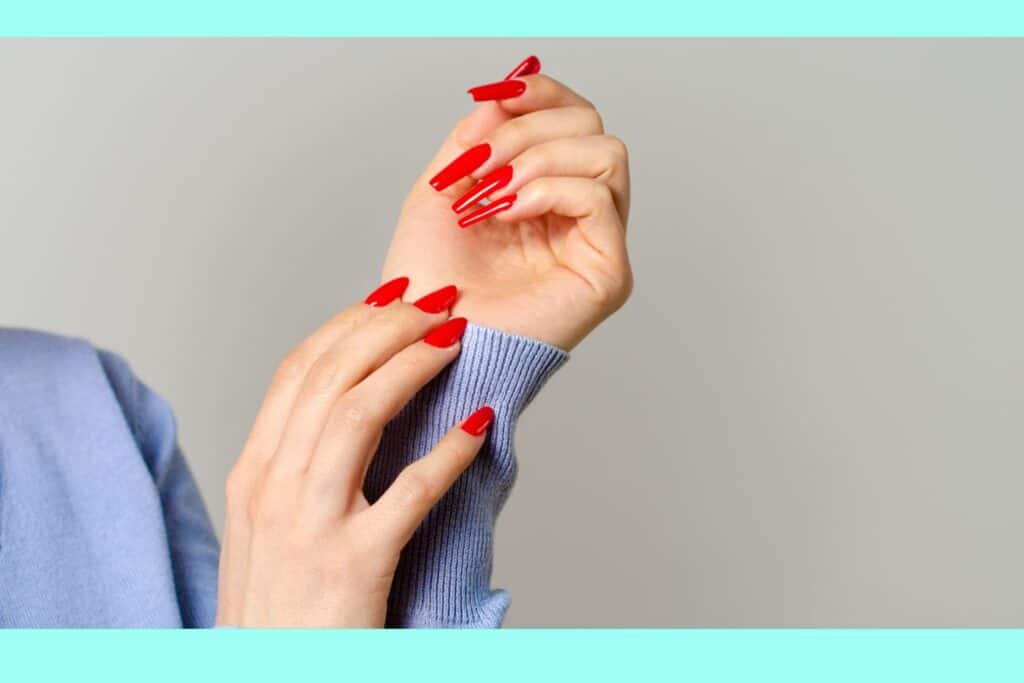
pixel 602 194
pixel 591 119
pixel 322 375
pixel 412 364
pixel 414 490
pixel 355 415
pixel 291 367
pixel 619 150
pixel 395 322
pixel 513 129
pixel 541 188
pixel 614 288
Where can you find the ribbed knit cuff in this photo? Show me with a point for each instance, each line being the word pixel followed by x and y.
pixel 443 578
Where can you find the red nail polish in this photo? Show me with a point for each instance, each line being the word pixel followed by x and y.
pixel 462 166
pixel 447 333
pixel 502 90
pixel 477 423
pixel 527 67
pixel 387 292
pixel 497 206
pixel 493 181
pixel 438 301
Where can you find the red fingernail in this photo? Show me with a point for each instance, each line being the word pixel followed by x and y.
pixel 497 206
pixel 527 67
pixel 438 301
pixel 462 166
pixel 447 333
pixel 477 423
pixel 387 292
pixel 502 90
pixel 495 180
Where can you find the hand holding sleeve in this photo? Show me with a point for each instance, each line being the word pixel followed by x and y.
pixel 443 579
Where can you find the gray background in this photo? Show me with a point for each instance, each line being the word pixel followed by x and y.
pixel 808 414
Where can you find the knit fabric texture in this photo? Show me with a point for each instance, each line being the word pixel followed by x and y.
pixel 101 522
pixel 443 578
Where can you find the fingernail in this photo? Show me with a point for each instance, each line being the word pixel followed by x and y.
pixel 438 301
pixel 462 166
pixel 527 67
pixel 387 292
pixel 446 334
pixel 477 423
pixel 497 206
pixel 493 181
pixel 501 90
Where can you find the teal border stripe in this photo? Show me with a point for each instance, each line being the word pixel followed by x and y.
pixel 512 18
pixel 523 656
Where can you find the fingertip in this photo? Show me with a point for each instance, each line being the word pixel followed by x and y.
pixel 387 292
pixel 479 422
pixel 529 66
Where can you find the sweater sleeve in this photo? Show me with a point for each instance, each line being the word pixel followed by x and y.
pixel 191 542
pixel 443 578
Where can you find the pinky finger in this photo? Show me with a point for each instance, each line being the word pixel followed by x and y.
pixel 398 513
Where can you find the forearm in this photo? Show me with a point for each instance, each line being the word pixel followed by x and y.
pixel 443 579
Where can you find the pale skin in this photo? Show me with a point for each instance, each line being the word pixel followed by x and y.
pixel 552 266
pixel 302 545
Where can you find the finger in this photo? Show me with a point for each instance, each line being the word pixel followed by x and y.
pixel 482 120
pixel 265 435
pixel 601 157
pixel 398 512
pixel 341 366
pixel 541 92
pixel 461 153
pixel 515 136
pixel 356 421
pixel 597 244
pixel 528 94
pixel 263 440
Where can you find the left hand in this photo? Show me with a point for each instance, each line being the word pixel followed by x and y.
pixel 553 264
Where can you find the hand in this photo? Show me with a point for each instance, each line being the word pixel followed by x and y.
pixel 549 264
pixel 302 545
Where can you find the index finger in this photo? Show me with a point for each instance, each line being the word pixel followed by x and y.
pixel 402 507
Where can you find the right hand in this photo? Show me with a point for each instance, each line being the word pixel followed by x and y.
pixel 302 545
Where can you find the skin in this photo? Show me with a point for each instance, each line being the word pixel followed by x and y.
pixel 302 546
pixel 554 265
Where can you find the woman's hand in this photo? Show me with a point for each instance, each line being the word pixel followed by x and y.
pixel 302 545
pixel 547 258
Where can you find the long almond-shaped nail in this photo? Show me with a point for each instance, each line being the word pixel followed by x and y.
pixel 447 333
pixel 497 206
pixel 438 301
pixel 387 292
pixel 501 90
pixel 527 67
pixel 493 181
pixel 461 166
pixel 477 423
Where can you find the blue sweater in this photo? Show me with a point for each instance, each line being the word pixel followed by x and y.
pixel 101 523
